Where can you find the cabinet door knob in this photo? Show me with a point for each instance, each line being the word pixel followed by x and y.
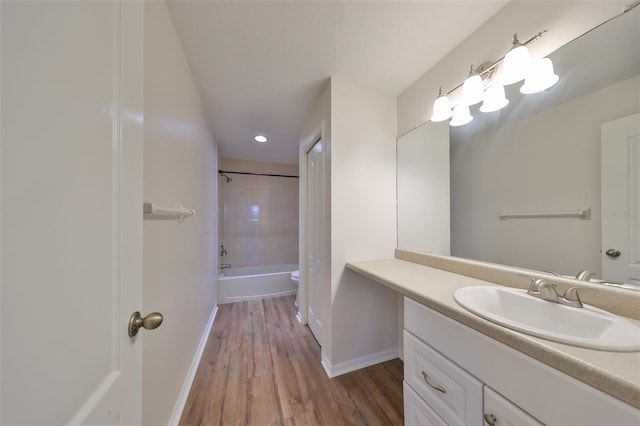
pixel 436 387
pixel 490 419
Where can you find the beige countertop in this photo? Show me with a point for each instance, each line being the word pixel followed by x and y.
pixel 615 373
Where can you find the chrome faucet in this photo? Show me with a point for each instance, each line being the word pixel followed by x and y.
pixel 571 297
pixel 543 289
pixel 223 251
pixel 225 266
pixel 585 275
pixel 546 290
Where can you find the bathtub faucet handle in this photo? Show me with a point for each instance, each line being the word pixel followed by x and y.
pixel 223 251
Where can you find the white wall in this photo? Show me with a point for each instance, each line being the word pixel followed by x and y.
pixel 363 218
pixel 564 20
pixel 180 259
pixel 360 128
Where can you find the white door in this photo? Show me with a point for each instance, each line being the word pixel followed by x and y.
pixel 621 200
pixel 315 247
pixel 71 211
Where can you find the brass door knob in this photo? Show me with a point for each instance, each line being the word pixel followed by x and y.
pixel 150 322
pixel 613 253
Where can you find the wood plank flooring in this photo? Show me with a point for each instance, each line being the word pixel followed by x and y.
pixel 262 367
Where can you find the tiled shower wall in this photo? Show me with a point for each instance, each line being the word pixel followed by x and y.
pixel 259 214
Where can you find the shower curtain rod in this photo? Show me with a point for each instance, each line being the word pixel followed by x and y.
pixel 257 174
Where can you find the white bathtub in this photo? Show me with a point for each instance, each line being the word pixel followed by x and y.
pixel 255 282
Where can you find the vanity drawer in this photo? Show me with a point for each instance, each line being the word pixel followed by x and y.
pixel 416 411
pixel 498 410
pixel 451 392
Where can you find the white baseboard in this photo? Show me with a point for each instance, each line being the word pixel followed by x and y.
pixel 191 374
pixel 358 363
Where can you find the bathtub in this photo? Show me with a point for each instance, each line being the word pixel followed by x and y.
pixel 255 282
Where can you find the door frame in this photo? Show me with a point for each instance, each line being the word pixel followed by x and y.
pixel 307 145
pixel 614 142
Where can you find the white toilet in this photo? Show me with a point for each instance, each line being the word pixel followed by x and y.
pixel 295 276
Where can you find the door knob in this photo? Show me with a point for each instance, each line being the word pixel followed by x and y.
pixel 613 253
pixel 150 322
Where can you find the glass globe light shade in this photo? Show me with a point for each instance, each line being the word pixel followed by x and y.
pixel 516 63
pixel 494 99
pixel 541 77
pixel 472 89
pixel 441 109
pixel 461 115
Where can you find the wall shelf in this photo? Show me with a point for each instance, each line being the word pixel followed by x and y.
pixel 154 212
pixel 573 214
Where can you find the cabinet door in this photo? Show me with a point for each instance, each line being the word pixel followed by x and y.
pixel 500 411
pixel 417 412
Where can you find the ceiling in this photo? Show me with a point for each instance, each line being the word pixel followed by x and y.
pixel 261 65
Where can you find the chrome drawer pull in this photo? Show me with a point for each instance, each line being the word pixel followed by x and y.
pixel 436 387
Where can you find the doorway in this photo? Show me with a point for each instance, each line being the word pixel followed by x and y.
pixel 315 220
pixel 621 200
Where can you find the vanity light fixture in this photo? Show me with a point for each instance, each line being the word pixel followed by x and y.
pixel 261 139
pixel 516 66
pixel 441 108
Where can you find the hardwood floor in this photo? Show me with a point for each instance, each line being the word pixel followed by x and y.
pixel 262 367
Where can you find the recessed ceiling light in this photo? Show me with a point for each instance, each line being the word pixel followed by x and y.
pixel 261 139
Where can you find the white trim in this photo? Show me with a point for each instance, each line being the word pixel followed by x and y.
pixel 326 364
pixel 305 146
pixel 358 363
pixel 191 374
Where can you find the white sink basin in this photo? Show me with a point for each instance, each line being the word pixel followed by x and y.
pixel 588 327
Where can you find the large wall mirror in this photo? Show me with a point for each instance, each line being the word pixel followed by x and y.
pixel 572 151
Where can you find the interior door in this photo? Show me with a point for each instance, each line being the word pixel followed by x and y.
pixel 315 253
pixel 71 211
pixel 621 200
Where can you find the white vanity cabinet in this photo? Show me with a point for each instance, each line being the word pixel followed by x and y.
pixel 499 411
pixel 454 394
pixel 438 392
pixel 455 375
pixel 416 411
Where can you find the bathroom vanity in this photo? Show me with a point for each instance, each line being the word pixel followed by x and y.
pixel 462 369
